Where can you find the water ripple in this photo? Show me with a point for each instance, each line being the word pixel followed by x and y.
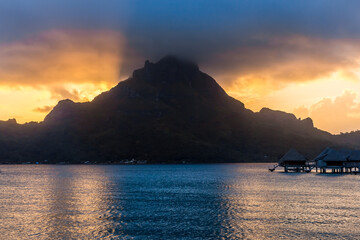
pixel 224 201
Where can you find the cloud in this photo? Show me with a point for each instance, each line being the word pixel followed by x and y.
pixel 44 109
pixel 285 59
pixel 78 92
pixel 241 43
pixel 60 56
pixel 197 29
pixel 105 56
pixel 58 64
pixel 301 112
pixel 334 115
pixel 62 93
pixel 269 64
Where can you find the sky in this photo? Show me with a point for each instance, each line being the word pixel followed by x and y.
pixel 300 56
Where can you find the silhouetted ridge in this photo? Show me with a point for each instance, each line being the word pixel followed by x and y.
pixel 11 121
pixel 182 75
pixel 63 110
pixel 169 80
pixel 168 111
pixel 308 122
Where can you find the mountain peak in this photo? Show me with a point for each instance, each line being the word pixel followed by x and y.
pixel 61 111
pixel 174 61
pixel 169 70
pixel 11 121
pixel 177 76
pixel 276 114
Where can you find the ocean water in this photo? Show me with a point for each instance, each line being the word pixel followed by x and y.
pixel 215 201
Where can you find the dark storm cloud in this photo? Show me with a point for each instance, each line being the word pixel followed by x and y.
pixel 203 29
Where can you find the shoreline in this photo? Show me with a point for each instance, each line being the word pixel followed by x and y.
pixel 175 163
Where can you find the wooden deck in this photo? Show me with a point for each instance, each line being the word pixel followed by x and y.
pixel 339 169
pixel 309 167
pixel 294 168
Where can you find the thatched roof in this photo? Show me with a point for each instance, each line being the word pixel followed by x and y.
pixel 355 155
pixel 292 155
pixel 331 154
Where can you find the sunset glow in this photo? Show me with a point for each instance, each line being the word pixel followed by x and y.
pixel 38 72
pixel 302 69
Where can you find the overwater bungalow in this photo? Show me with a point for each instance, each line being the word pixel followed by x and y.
pixel 293 161
pixel 338 161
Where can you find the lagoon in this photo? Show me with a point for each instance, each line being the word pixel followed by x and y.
pixel 199 201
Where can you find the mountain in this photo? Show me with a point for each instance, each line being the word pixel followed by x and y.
pixel 167 111
pixel 350 139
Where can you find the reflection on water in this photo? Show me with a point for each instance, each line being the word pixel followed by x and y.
pixel 224 201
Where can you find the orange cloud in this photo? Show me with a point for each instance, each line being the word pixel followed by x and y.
pixel 57 57
pixel 301 112
pixel 270 71
pixel 58 64
pixel 266 71
pixel 267 64
pixel 341 114
pixel 44 109
pixel 62 93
